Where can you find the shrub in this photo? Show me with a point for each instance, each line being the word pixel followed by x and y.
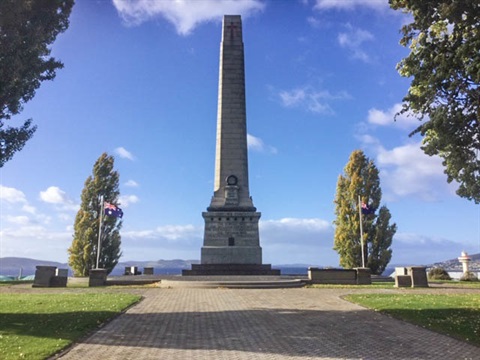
pixel 469 276
pixel 438 273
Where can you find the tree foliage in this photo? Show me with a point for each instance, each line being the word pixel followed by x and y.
pixel 83 251
pixel 438 273
pixel 361 178
pixel 444 63
pixel 27 29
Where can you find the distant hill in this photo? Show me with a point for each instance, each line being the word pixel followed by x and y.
pixel 12 265
pixel 455 265
pixel 172 267
pixel 176 263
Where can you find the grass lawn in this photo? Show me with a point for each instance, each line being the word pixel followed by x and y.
pixel 457 315
pixel 455 283
pixel 35 326
pixel 390 285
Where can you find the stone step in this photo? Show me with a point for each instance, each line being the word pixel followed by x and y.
pixel 233 284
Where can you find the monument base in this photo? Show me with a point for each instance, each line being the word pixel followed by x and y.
pixel 230 269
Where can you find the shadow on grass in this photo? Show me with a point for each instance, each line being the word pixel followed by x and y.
pixel 67 325
pixel 462 324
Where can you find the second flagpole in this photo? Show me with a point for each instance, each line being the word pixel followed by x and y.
pixel 100 230
pixel 361 230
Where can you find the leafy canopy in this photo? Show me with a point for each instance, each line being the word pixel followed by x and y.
pixel 361 179
pixel 444 63
pixel 83 251
pixel 27 29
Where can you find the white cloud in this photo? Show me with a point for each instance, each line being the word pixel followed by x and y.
pixel 185 15
pixel 124 153
pixel 387 118
pixel 126 200
pixel 176 232
pixel 12 195
pixel 295 224
pixel 295 240
pixel 168 237
pixel 18 220
pixel 66 217
pixel 29 209
pixel 353 40
pixel 257 144
pixel 131 183
pixel 407 171
pixel 418 249
pixel 55 195
pixel 35 241
pixel 284 241
pixel 167 232
pixel 314 22
pixel 379 5
pixel 370 141
pixel 312 100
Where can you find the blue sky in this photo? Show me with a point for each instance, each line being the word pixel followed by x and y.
pixel 140 82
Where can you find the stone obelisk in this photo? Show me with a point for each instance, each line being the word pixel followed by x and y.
pixel 231 240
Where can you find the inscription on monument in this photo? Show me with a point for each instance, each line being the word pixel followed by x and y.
pixel 231 195
pixel 223 229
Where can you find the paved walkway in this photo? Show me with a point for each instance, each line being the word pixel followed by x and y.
pixel 261 324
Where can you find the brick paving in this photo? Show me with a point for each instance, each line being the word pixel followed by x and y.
pixel 261 324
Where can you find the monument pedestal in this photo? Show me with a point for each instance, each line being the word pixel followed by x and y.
pixel 231 237
pixel 231 245
pixel 230 269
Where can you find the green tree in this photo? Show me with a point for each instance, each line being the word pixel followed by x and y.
pixel 444 63
pixel 27 29
pixel 379 251
pixel 83 251
pixel 361 179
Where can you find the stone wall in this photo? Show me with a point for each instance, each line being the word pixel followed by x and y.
pixel 357 276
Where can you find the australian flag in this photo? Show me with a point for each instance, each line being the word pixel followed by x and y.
pixel 366 210
pixel 113 210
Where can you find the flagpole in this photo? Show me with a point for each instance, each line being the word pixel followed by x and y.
pixel 361 230
pixel 100 230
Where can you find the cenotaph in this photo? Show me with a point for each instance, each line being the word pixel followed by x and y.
pixel 231 243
